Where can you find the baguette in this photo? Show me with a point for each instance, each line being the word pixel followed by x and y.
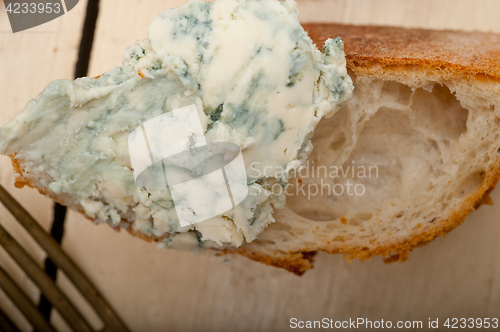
pixel 163 145
pixel 426 111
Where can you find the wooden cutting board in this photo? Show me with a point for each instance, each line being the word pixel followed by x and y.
pixel 29 60
pixel 158 290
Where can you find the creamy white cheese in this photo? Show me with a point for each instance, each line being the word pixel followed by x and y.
pixel 252 72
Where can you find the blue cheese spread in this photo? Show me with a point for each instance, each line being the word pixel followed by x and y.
pixel 256 80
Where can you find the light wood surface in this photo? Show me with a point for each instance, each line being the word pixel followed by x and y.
pixel 120 25
pixel 29 61
pixel 159 290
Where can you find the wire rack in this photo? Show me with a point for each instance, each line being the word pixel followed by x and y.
pixel 46 284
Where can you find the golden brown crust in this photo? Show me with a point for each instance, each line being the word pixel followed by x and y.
pixel 374 50
pixel 396 252
pixel 399 251
pixel 448 53
pixel 297 263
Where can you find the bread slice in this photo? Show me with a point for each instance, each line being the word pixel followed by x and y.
pixel 425 116
pixel 242 73
pixel 426 112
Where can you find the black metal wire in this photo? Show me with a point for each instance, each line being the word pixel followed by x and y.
pixel 82 65
pixel 62 260
pixel 57 231
pixel 6 324
pixel 81 69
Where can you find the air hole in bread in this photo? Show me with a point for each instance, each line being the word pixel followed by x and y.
pixel 409 138
pixel 439 112
pixel 354 222
pixel 338 143
pixel 264 242
pixel 471 183
pixel 397 92
pixel 280 226
pixel 364 215
pixel 319 212
pixel 332 225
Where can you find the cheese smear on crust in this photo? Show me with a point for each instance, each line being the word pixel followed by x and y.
pixel 257 81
